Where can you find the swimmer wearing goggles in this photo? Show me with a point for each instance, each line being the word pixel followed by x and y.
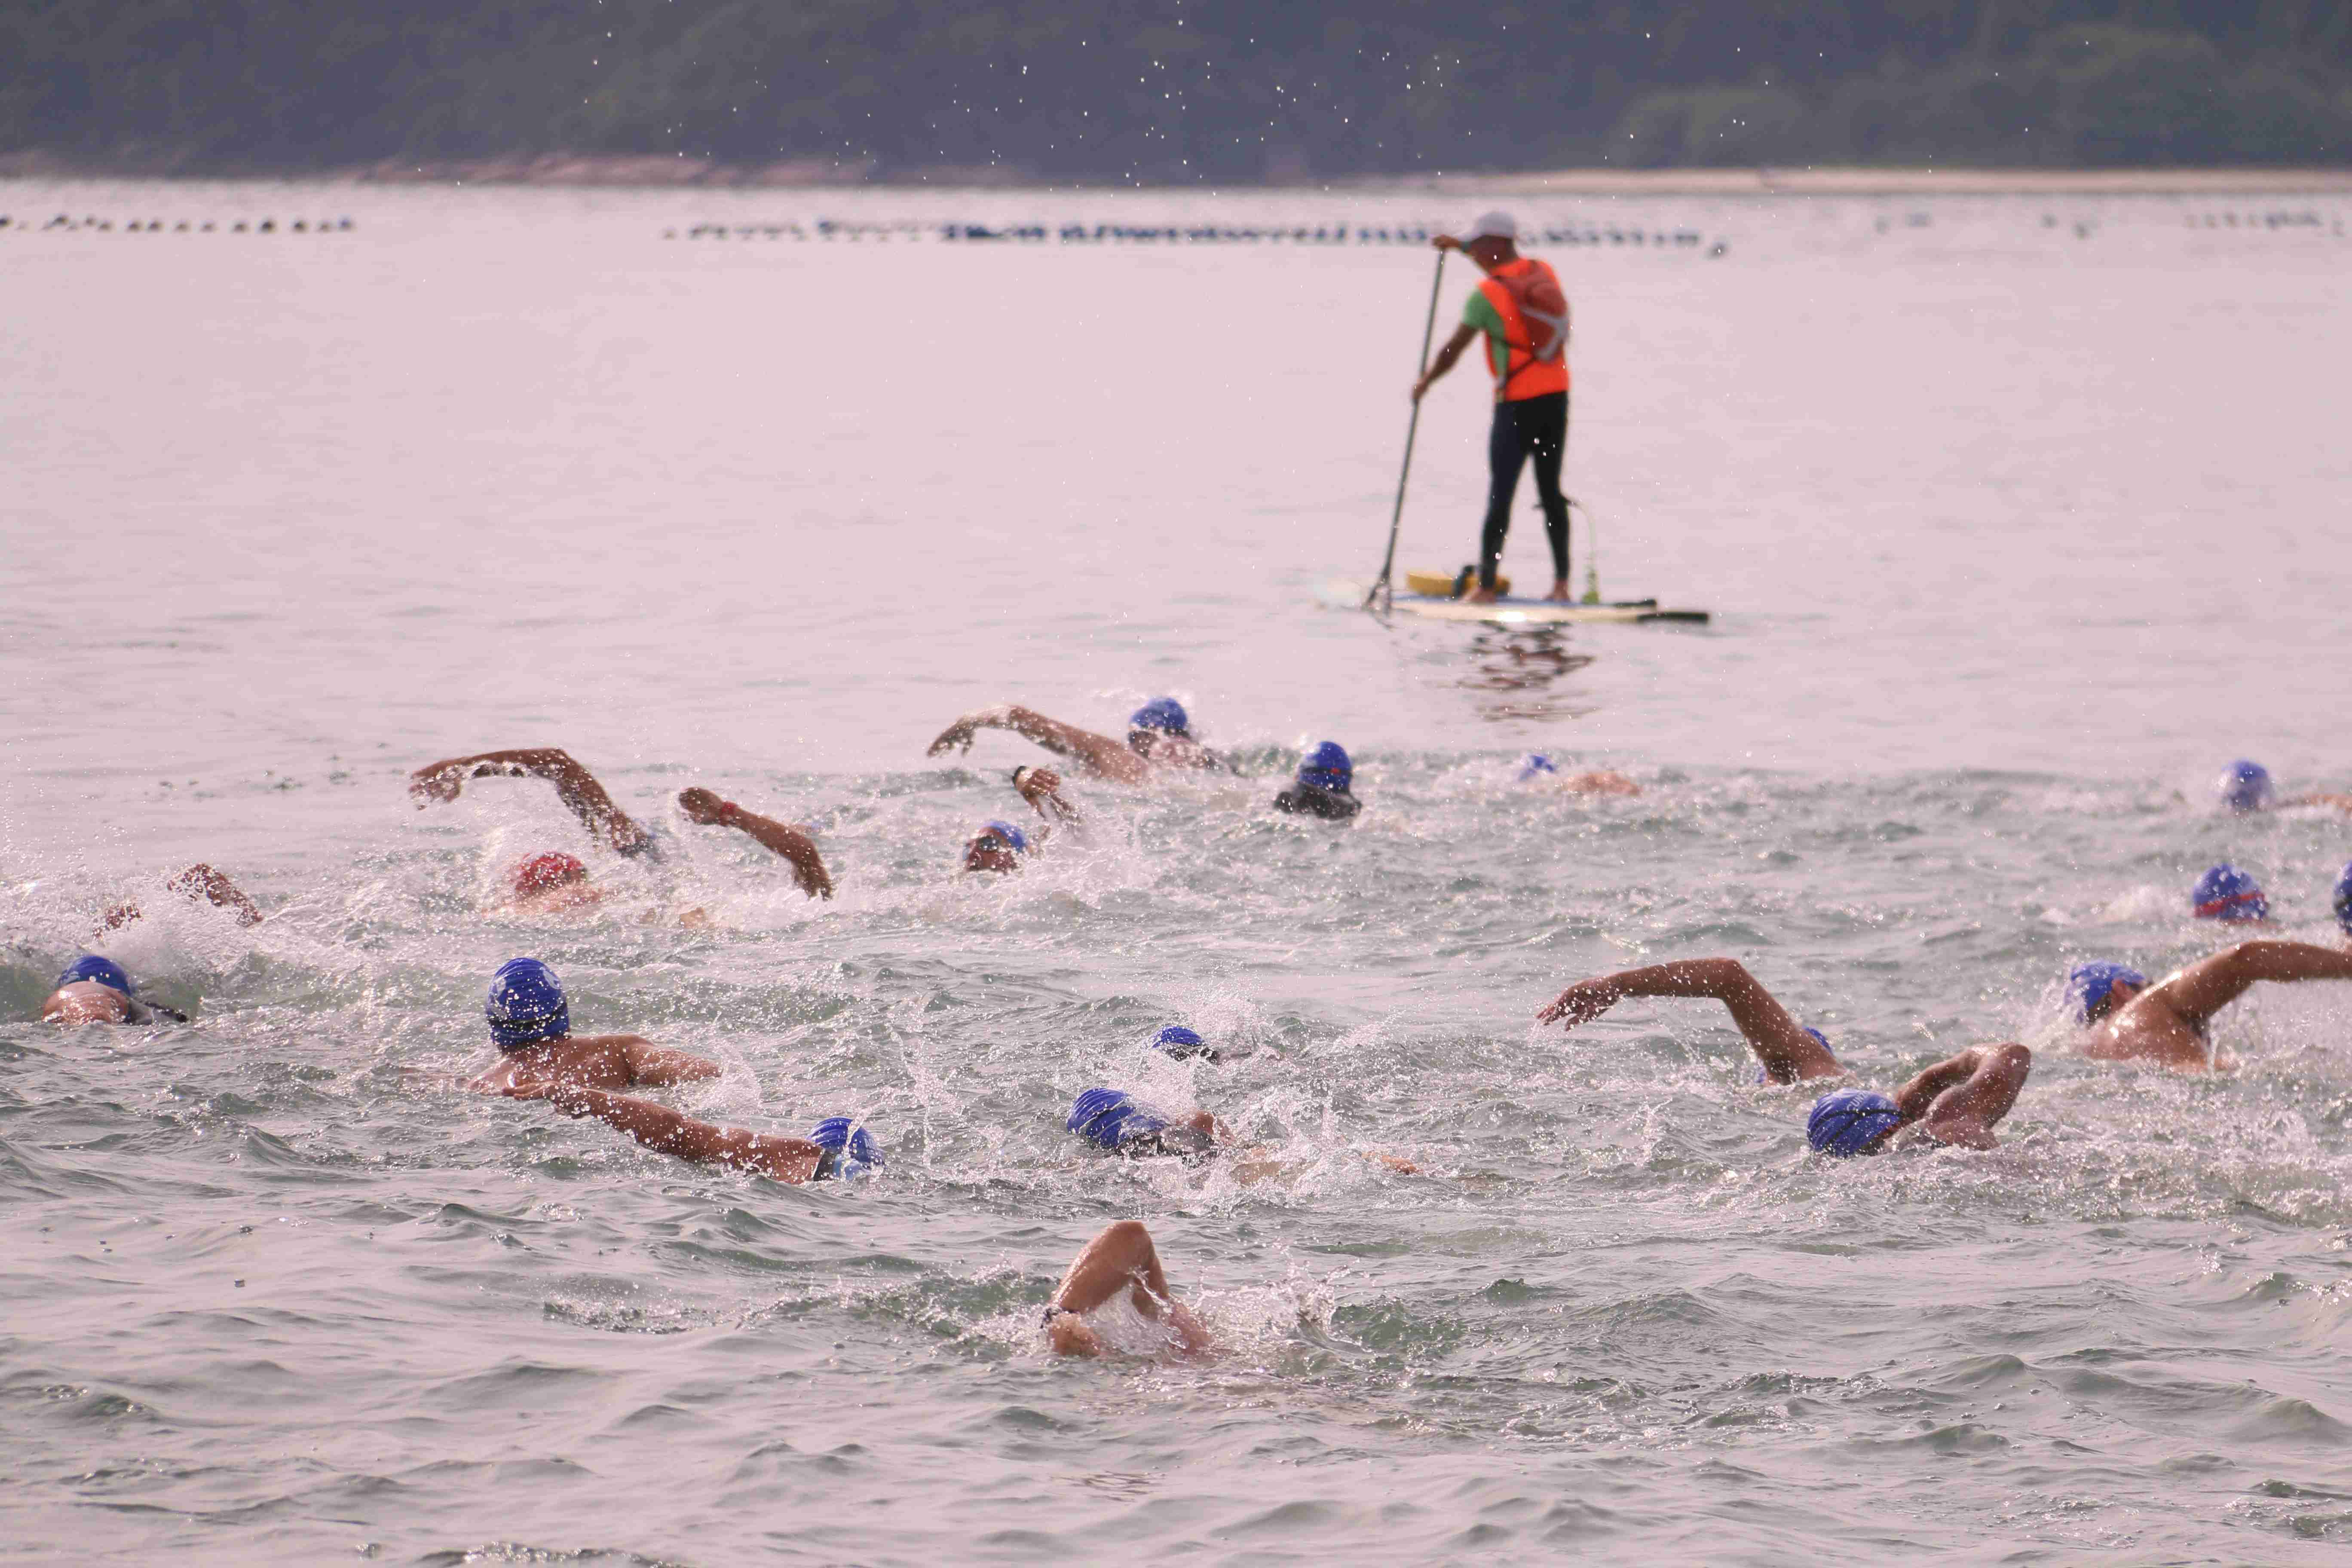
pixel 1955 1101
pixel 1158 735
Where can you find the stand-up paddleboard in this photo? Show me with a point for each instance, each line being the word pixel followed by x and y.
pixel 1543 612
pixel 1515 612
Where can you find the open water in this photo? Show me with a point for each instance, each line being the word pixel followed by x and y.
pixel 2019 517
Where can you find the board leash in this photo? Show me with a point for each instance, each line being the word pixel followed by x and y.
pixel 1383 589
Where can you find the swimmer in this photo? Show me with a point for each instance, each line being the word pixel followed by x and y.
pixel 834 1149
pixel 530 1023
pixel 808 866
pixel 2245 787
pixel 198 881
pixel 1539 770
pixel 1183 1045
pixel 575 786
pixel 2131 1020
pixel 95 990
pixel 1159 735
pixel 999 847
pixel 1955 1101
pixel 1323 786
pixel 1115 1120
pixel 2226 893
pixel 555 883
pixel 1121 1258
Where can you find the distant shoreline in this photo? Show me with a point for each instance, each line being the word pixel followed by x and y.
pixel 656 172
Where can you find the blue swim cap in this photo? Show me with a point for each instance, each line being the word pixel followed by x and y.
pixel 1164 713
pixel 89 966
pixel 1326 767
pixel 2226 893
pixel 849 1151
pixel 526 1005
pixel 1010 833
pixel 1180 1043
pixel 2245 786
pixel 1848 1121
pixel 2343 899
pixel 1108 1117
pixel 1764 1074
pixel 2087 985
pixel 1535 762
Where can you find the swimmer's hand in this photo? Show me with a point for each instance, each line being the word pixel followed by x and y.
pixel 444 782
pixel 1397 1163
pixel 704 806
pixel 959 734
pixel 956 736
pixel 1042 788
pixel 1580 1004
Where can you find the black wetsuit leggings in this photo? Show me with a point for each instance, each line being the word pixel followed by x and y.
pixel 1529 427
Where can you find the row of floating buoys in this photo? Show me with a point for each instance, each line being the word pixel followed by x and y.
pixel 1175 234
pixel 66 223
pixel 2310 220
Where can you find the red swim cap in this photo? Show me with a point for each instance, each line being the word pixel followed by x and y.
pixel 552 869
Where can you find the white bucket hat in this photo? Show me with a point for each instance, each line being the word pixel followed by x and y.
pixel 1495 225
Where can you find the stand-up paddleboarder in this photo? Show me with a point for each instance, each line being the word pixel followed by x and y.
pixel 1522 313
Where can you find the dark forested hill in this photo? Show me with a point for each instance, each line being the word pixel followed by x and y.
pixel 1184 89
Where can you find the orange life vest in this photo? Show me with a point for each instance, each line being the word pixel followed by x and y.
pixel 1533 361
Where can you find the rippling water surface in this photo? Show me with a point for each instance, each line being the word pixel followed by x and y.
pixel 2019 518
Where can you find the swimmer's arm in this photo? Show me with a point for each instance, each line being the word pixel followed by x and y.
pixel 2340 802
pixel 1786 1052
pixel 1121 1258
pixel 656 1066
pixel 1042 788
pixel 1099 754
pixel 1208 1126
pixel 201 882
pixel 1958 1100
pixel 198 881
pixel 2202 989
pixel 1461 340
pixel 575 786
pixel 808 865
pixel 666 1131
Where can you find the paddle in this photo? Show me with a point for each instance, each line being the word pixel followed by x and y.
pixel 1592 553
pixel 1412 426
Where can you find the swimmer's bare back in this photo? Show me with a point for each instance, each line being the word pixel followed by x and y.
pixel 594 1061
pixel 86 1002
